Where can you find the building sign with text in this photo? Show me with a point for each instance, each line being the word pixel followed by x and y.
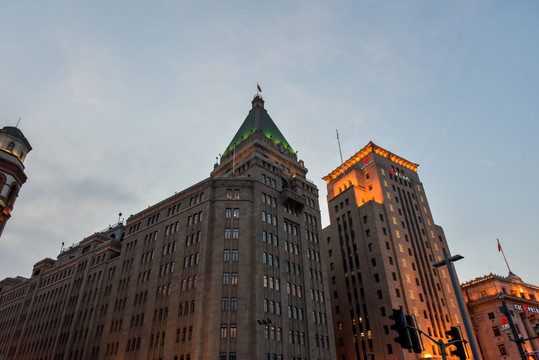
pixel 525 308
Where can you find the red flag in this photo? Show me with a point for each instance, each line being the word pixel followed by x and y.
pixel 258 87
pixel 499 246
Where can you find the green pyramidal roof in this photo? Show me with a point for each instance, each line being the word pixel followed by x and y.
pixel 258 120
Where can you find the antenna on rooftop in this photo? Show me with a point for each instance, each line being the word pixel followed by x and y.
pixel 340 152
pixel 119 216
pixel 18 122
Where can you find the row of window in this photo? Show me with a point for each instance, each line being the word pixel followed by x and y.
pixel 167 269
pixel 232 233
pixel 269 200
pixel 190 260
pixel 144 276
pixel 134 228
pixel 273 307
pixel 185 309
pixel 229 303
pixel 164 290
pixel 168 248
pixel 227 257
pixel 290 228
pixel 172 228
pixel 270 259
pixel 269 181
pixel 230 278
pixel 133 344
pixel 148 256
pixel 293 268
pixel 268 218
pixel 232 213
pixel 195 218
pixel 153 219
pixel 293 289
pixel 184 334
pixel 137 320
pixel 196 199
pixel 233 194
pixel 189 283
pixel 311 236
pixel 310 219
pixel 230 331
pixel 269 238
pixel 174 209
pixel 313 255
pixel 148 238
pixel 272 283
pixel 192 239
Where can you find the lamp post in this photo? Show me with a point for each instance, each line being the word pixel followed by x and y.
pixel 447 261
pixel 266 323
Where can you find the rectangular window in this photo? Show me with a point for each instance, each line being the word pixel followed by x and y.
pixel 234 279
pixel 226 255
pixel 224 331
pixel 224 304
pixel 233 304
pixel 227 233
pixel 233 330
pixel 235 255
pixel 228 213
pixel 236 213
pixel 226 278
pixel 235 233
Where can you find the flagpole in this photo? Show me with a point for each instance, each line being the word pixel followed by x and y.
pixel 506 263
pixel 340 152
pixel 234 159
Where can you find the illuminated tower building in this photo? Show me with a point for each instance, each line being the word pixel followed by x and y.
pixel 229 268
pixel 13 150
pixel 382 243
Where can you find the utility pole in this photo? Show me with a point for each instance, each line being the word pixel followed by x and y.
pixel 448 261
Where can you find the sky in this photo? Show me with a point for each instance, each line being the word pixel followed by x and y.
pixel 127 102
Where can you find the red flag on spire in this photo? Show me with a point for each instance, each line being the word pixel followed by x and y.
pixel 258 87
pixel 499 246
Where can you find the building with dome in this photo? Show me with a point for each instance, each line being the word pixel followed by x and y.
pixel 483 297
pixel 13 150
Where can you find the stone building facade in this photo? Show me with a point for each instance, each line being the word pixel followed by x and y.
pixel 229 268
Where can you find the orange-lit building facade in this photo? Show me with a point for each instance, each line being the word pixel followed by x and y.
pixel 229 268
pixel 381 246
pixel 483 301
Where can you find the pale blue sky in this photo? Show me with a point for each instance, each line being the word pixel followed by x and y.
pixel 127 102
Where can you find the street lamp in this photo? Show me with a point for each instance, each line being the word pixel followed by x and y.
pixel 447 261
pixel 266 323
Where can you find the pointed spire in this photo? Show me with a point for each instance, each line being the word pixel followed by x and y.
pixel 258 120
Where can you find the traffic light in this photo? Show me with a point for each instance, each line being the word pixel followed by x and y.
pixel 401 329
pixel 454 334
pixel 414 336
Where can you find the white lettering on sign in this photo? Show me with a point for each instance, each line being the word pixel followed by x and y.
pixel 526 308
